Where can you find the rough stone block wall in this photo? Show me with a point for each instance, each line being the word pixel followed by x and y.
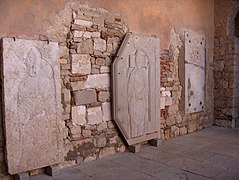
pixel 174 121
pixel 226 64
pixel 86 56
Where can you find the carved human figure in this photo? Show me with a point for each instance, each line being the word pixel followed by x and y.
pixel 138 92
pixel 34 92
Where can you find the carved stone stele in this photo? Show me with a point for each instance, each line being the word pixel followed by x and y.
pixel 32 103
pixel 136 82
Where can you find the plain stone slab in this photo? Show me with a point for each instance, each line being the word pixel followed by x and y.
pixel 94 115
pixel 196 167
pixel 81 64
pixel 32 104
pixel 98 81
pixel 155 154
pixel 100 166
pixel 199 155
pixel 140 164
pixel 78 114
pixel 123 173
pixel 136 86
pixel 84 97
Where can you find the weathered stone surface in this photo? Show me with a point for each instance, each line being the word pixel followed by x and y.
pixel 78 115
pixel 103 96
pixel 85 97
pixel 136 88
pixel 85 47
pixel 102 126
pixel 100 141
pixel 81 64
pixel 101 81
pixel 83 22
pixel 86 132
pixel 100 44
pixel 104 69
pixel 78 34
pixel 94 115
pixel 106 107
pixel 32 97
pixel 77 85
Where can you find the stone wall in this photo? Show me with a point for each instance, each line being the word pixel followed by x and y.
pixel 226 64
pixel 174 121
pixel 86 56
pixel 89 38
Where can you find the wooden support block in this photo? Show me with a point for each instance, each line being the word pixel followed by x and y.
pixel 21 176
pixel 134 148
pixel 155 142
pixel 52 170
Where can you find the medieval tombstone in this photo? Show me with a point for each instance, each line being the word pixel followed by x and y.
pixel 194 72
pixel 136 88
pixel 32 103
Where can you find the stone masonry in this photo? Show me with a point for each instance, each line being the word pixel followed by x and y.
pixel 93 39
pixel 226 65
pixel 89 38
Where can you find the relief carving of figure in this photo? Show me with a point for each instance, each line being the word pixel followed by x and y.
pixel 138 92
pixel 36 102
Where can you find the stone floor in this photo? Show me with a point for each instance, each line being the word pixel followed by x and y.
pixel 212 153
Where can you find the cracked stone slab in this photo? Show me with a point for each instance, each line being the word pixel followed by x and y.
pixel 32 99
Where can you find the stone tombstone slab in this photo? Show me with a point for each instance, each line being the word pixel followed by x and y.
pixel 136 88
pixel 194 72
pixel 32 103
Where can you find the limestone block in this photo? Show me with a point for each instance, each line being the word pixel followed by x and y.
pixel 86 132
pixel 106 107
pixel 32 103
pixel 99 81
pixel 63 61
pixel 95 71
pixel 100 44
pixel 94 115
pixel 77 85
pixel 75 130
pixel 83 22
pixel 100 142
pixel 84 97
pixel 166 93
pixel 102 126
pixel 85 47
pixel 110 124
pixel 81 64
pixel 100 61
pixel 183 131
pixel 104 69
pixel 95 34
pixel 78 114
pixel 78 34
pixel 104 96
pixel 174 131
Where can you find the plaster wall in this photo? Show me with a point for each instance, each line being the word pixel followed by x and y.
pixel 157 17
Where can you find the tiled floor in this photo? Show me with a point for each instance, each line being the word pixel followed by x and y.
pixel 211 153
